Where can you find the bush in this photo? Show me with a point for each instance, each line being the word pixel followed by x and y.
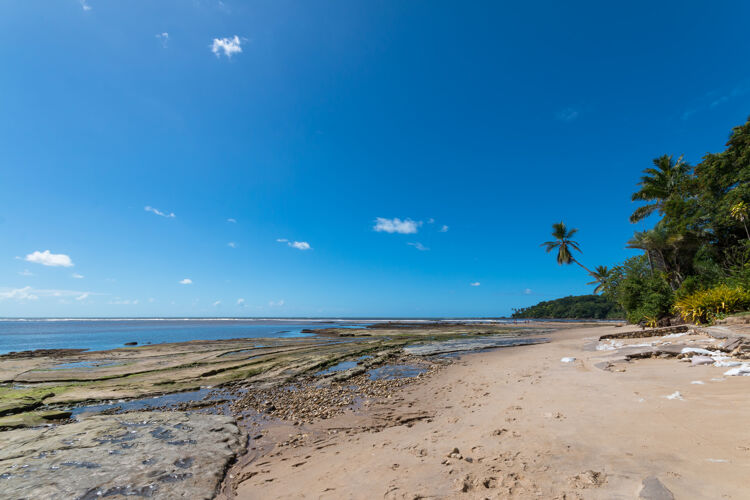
pixel 645 298
pixel 703 307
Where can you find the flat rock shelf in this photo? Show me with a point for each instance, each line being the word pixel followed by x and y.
pixel 163 455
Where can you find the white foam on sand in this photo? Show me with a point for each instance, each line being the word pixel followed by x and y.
pixel 567 360
pixel 697 382
pixel 675 395
pixel 717 460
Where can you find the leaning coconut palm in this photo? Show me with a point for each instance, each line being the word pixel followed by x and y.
pixel 564 244
pixel 669 179
pixel 739 212
pixel 600 275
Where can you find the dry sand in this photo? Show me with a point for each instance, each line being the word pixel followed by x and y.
pixel 525 425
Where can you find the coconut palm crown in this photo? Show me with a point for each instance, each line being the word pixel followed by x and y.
pixel 564 244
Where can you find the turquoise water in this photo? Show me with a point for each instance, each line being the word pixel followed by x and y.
pixel 101 334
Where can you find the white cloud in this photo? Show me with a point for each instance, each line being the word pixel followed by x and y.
pixel 217 303
pixel 444 229
pixel 233 221
pixel 151 300
pixel 396 225
pixel 25 272
pixel 476 283
pixel 186 281
pixel 299 245
pixel 419 246
pixel 124 302
pixel 77 276
pixel 227 45
pixel 232 244
pixel 241 302
pixel 29 293
pixel 527 291
pixel 49 259
pixel 84 5
pixel 277 303
pixel 430 221
pixel 163 38
pixel 567 114
pixel 153 210
pixel 83 296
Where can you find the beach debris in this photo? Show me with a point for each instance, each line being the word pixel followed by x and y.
pixel 567 360
pixel 717 460
pixel 675 395
pixel 697 382
pixel 742 371
pixel 701 360
pixel 588 479
pixel 653 489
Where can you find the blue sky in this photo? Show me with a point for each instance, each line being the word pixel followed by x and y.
pixel 254 130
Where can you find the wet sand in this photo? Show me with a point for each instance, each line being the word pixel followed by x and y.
pixel 520 423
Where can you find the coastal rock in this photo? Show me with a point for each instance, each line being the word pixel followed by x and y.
pixel 653 489
pixel 156 454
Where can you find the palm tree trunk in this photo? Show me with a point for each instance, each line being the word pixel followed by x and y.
pixel 746 231
pixel 586 268
pixel 650 262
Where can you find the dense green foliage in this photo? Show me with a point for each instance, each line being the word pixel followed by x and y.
pixel 573 307
pixel 697 251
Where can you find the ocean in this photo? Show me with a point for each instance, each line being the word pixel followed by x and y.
pixel 101 334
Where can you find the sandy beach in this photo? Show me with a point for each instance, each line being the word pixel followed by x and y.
pixel 520 423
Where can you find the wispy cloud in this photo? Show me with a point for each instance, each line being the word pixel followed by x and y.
pixel 124 302
pixel 527 291
pixel 396 225
pixel 84 5
pixel 186 281
pixel 232 244
pixel 83 296
pixel 567 114
pixel 241 302
pixel 158 212
pixel 25 272
pixel 29 293
pixel 163 38
pixel 231 220
pixel 228 46
pixel 299 245
pixel 218 302
pixel 77 276
pixel 716 98
pixel 419 246
pixel 476 283
pixel 444 229
pixel 47 258
pixel 277 303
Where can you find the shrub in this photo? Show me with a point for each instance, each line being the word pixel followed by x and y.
pixel 703 307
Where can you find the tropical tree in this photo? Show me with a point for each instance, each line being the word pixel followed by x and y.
pixel 739 211
pixel 600 275
pixel 667 180
pixel 564 245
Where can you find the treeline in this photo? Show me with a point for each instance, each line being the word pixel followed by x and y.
pixel 695 264
pixel 573 307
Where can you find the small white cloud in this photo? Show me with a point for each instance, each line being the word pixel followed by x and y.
pixel 84 5
pixel 233 221
pixel 153 210
pixel 567 114
pixel 47 258
pixel 151 300
pixel 28 293
pixel 25 272
pixel 216 303
pixel 299 245
pixel 124 302
pixel 277 303
pixel 77 276
pixel 232 244
pixel 419 246
pixel 430 221
pixel 396 225
pixel 228 46
pixel 83 296
pixel 444 229
pixel 476 283
pixel 527 291
pixel 163 38
pixel 241 302
pixel 186 281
